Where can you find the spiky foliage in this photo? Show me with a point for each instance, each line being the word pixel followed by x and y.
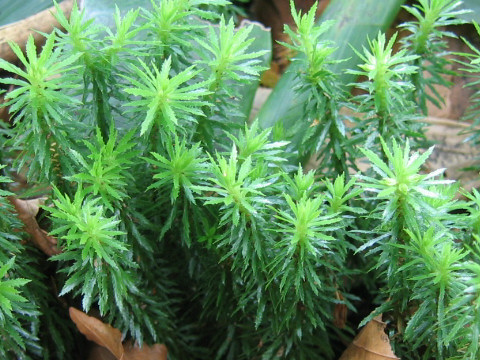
pixel 470 63
pixel 42 116
pixel 172 25
pixel 165 98
pixel 11 301
pixel 179 222
pixel 176 174
pixel 18 338
pixel 321 93
pixel 418 251
pixel 105 173
pixel 93 241
pixel 229 62
pixel 427 40
pixel 388 110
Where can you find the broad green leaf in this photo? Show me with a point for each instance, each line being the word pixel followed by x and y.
pixel 262 41
pixel 473 5
pixel 12 11
pixel 102 10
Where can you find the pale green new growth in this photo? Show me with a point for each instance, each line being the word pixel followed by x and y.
pixel 165 97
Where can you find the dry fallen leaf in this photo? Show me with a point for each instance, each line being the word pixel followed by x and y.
pixel 110 338
pixel 100 353
pixel 371 343
pixel 27 210
pixel 95 330
pixel 154 352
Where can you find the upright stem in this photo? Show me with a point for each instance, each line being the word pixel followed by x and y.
pixel 56 171
pixel 339 166
pixel 101 107
pixel 204 130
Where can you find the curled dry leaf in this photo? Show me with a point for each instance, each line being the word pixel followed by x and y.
pixel 154 352
pixel 371 343
pixel 110 338
pixel 100 353
pixel 27 210
pixel 95 330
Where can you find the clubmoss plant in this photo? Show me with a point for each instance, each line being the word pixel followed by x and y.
pixel 324 98
pixel 82 38
pixel 165 98
pixel 177 221
pixel 418 252
pixel 28 307
pixel 471 66
pixel 13 332
pixel 226 58
pixel 37 100
pixel 172 25
pixel 385 103
pixel 15 309
pixel 428 40
pixel 463 312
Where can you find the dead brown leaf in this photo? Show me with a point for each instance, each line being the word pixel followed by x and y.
pixel 154 352
pixel 110 338
pixel 27 210
pixel 100 353
pixel 371 343
pixel 95 330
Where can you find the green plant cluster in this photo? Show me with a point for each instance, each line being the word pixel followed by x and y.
pixel 181 223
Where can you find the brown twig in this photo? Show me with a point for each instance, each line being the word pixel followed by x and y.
pixel 27 210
